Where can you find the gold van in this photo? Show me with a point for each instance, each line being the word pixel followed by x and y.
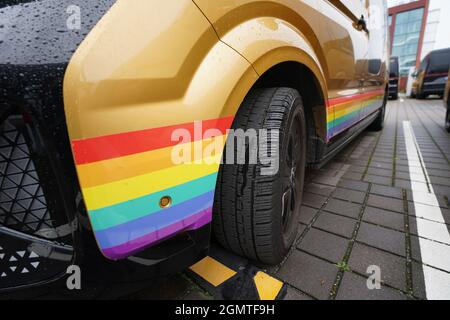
pixel 111 105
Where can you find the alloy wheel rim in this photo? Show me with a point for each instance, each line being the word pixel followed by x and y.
pixel 291 196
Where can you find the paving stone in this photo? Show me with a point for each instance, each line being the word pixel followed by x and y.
pixel 386 203
pixel 324 245
pixel 418 186
pixel 336 224
pixel 330 178
pixel 345 208
pixel 431 253
pixel 354 185
pixel 417 177
pixel 313 200
pixel 430 230
pixel 429 212
pixel 380 172
pixel 442 191
pixel 354 287
pixel 301 228
pixel 357 169
pixel 382 238
pixel 418 280
pixel 387 191
pixel 332 166
pixel 380 165
pixel 439 173
pixel 427 198
pixel 309 274
pixel 440 280
pixel 295 295
pixel 307 214
pixel 384 218
pixel 387 181
pixel 319 189
pixel 360 161
pixel 353 176
pixel 388 160
pixel 349 195
pixel 402 168
pixel 393 268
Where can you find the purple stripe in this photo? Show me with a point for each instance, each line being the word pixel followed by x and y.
pixel 193 222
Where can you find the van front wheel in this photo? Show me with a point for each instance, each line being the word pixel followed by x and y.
pixel 257 205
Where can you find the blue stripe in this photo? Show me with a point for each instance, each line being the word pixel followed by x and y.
pixel 140 227
pixel 124 212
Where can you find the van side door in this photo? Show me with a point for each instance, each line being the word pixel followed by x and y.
pixel 347 52
pixel 376 72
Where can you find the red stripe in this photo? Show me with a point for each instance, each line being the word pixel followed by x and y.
pixel 350 98
pixel 123 144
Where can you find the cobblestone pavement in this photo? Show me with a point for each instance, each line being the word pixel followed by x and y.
pixel 382 205
pixel 374 206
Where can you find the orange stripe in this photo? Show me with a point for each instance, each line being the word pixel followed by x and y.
pixel 124 144
pixel 103 172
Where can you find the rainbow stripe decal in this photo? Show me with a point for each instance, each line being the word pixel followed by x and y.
pixel 124 176
pixel 344 112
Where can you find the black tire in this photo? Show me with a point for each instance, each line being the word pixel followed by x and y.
pixel 378 123
pixel 394 96
pixel 249 218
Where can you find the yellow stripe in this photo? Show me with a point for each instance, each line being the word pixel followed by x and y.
pixel 212 271
pixel 128 189
pixel 351 107
pixel 107 171
pixel 267 286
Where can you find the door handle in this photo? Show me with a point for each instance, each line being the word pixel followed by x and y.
pixel 361 24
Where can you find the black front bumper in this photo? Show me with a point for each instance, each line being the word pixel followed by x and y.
pixel 43 223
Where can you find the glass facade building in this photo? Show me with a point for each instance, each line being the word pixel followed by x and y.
pixel 407 23
pixel 408 26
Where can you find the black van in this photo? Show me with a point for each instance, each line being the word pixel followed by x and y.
pixel 394 76
pixel 433 74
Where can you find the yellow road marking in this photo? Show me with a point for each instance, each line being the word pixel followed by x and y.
pixel 213 271
pixel 267 286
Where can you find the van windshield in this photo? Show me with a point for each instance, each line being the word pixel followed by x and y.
pixel 439 63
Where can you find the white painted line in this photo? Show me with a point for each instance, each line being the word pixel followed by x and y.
pixel 437 283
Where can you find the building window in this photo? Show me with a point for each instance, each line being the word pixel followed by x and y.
pixel 406 38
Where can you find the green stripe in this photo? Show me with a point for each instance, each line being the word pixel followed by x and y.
pixel 134 209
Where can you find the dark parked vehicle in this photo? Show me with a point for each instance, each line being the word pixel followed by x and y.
pixel 432 74
pixel 447 103
pixel 394 76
